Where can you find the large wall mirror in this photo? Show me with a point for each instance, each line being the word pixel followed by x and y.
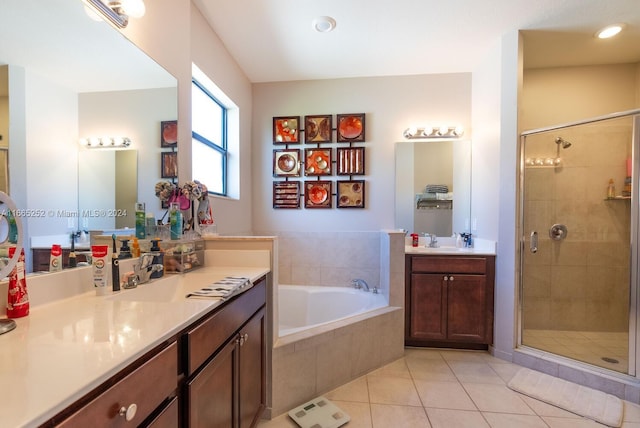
pixel 64 76
pixel 433 186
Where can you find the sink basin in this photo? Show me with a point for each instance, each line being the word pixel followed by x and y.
pixel 436 250
pixel 166 289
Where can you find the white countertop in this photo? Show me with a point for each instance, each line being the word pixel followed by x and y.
pixel 66 348
pixel 447 247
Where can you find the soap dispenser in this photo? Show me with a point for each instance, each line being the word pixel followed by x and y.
pixel 158 258
pixel 125 251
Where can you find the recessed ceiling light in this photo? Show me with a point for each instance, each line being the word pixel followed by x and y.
pixel 324 24
pixel 609 31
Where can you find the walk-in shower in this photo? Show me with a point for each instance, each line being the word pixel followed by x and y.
pixel 578 243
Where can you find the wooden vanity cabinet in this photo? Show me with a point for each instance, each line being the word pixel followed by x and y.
pixel 145 396
pixel 449 300
pixel 225 364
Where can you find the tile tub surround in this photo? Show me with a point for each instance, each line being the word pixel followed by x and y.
pixel 308 363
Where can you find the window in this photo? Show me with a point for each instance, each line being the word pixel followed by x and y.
pixel 209 147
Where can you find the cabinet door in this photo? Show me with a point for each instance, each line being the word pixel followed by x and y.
pixel 210 394
pixel 252 370
pixel 467 310
pixel 428 301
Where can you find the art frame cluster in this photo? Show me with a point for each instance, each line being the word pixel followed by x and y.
pixel 319 160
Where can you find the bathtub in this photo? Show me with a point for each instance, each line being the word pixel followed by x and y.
pixel 306 307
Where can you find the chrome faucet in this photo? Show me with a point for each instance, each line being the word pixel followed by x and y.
pixel 143 270
pixel 361 283
pixel 433 240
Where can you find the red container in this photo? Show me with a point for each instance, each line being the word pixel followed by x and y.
pixel 414 239
pixel 17 299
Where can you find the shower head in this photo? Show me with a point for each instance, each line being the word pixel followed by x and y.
pixel 565 143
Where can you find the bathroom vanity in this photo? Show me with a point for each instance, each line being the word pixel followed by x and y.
pixel 142 357
pixel 449 299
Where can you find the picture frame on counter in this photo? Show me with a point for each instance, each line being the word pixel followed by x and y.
pixel 286 130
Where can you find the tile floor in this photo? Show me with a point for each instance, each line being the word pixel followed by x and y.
pixel 587 346
pixel 430 388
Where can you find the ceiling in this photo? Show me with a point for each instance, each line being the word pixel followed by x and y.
pixel 273 40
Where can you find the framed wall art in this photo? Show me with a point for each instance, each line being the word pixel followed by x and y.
pixel 286 163
pixel 317 129
pixel 169 165
pixel 350 161
pixel 286 130
pixel 351 194
pixel 286 194
pixel 169 133
pixel 350 128
pixel 317 162
pixel 317 194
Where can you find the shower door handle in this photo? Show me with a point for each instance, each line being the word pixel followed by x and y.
pixel 533 242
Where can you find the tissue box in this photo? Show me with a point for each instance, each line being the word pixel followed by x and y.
pixel 183 256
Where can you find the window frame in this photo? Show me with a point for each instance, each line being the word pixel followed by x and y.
pixel 223 148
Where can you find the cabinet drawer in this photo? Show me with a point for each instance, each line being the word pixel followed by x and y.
pixel 444 264
pixel 146 387
pixel 205 339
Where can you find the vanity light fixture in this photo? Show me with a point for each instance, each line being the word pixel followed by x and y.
pixel 117 12
pixel 444 131
pixel 609 31
pixel 105 142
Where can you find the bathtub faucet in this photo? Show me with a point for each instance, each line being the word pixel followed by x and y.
pixel 361 283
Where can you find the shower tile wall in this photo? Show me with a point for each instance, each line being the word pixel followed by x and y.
pixel 329 258
pixel 582 282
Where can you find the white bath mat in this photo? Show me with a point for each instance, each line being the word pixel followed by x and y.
pixel 581 400
pixel 319 413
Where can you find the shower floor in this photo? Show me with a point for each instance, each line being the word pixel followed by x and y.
pixel 586 346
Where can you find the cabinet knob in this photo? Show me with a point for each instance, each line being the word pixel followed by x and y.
pixel 451 278
pixel 128 412
pixel 446 278
pixel 243 338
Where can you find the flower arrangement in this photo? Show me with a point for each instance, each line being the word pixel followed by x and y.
pixel 184 195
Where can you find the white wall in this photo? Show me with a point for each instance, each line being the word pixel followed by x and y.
pixel 391 104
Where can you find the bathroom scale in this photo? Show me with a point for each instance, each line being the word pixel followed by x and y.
pixel 319 413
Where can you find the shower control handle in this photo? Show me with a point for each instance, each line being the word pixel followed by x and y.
pixel 533 242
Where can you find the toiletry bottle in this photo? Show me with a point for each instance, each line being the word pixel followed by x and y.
pixel 140 221
pixel 135 248
pixel 414 239
pixel 175 220
pixel 99 262
pixel 17 297
pixel 55 261
pixel 13 228
pixel 73 261
pixel 125 251
pixel 150 221
pixel 611 189
pixel 158 257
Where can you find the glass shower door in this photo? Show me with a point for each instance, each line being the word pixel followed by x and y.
pixel 576 242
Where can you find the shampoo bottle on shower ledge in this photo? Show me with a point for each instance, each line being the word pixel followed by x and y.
pixel 611 189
